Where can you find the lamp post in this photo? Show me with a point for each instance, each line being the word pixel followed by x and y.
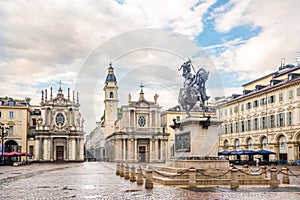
pixel 3 129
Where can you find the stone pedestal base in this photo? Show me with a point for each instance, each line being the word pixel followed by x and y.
pixel 199 164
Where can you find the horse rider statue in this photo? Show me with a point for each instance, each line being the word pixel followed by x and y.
pixel 193 87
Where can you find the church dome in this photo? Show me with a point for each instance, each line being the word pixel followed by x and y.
pixel 111 76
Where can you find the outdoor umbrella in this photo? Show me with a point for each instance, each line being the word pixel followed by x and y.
pixel 264 152
pixel 242 152
pixel 224 153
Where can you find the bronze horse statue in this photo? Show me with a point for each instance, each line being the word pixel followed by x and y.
pixel 193 88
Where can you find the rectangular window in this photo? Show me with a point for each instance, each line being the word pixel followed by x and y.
pixel 263 101
pixel 271 99
pixel 11 114
pixel 231 128
pixel 272 121
pixel 242 107
pixel 226 129
pixel 248 125
pixel 177 118
pixel 255 124
pixel 248 105
pixel 289 118
pixel 236 127
pixel 291 94
pixel 10 130
pixel 263 123
pixel 34 122
pixel 298 91
pixel 255 103
pixel 242 126
pixel 230 111
pixel 0 114
pixel 280 96
pixel 31 149
pixel 235 109
pixel 280 119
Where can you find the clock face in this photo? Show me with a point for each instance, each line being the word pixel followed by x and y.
pixel 60 119
pixel 142 121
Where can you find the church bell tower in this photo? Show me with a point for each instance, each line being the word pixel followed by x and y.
pixel 110 101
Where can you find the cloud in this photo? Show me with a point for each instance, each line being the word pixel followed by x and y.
pixel 260 54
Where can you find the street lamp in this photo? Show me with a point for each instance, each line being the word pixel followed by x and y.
pixel 3 129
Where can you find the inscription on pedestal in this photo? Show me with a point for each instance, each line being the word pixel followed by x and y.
pixel 183 142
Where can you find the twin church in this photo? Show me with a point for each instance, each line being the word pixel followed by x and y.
pixel 133 132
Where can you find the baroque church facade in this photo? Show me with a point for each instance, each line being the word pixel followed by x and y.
pixel 59 130
pixel 132 133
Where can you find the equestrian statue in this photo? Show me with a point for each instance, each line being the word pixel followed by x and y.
pixel 193 87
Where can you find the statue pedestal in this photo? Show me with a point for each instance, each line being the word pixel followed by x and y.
pixel 196 146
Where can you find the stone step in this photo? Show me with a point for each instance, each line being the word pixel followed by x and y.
pixel 168 181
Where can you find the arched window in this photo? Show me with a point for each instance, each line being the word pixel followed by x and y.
pixel 226 145
pixel 250 144
pixel 237 144
pixel 264 143
pixel 111 95
pixel 282 144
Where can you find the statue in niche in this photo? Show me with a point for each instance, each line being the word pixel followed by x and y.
pixel 193 87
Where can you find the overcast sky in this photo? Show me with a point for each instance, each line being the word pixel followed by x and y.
pixel 43 42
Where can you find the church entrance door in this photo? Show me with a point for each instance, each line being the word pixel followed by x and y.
pixel 59 153
pixel 142 153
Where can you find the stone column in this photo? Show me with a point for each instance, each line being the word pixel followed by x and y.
pixel 41 149
pixel 132 174
pixel 73 141
pixel 37 149
pixel 285 176
pixel 274 182
pixel 156 149
pixel 234 183
pixel 161 150
pixel 150 150
pixel 124 150
pixel 67 149
pixel 192 177
pixel 81 149
pixel 51 149
pixel 45 145
pixel 149 179
pixel 135 150
pixel 129 152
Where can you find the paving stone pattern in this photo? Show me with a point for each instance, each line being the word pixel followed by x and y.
pixel 97 180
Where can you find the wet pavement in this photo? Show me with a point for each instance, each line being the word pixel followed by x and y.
pixel 97 180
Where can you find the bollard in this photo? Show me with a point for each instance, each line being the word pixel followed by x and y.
pixel 126 173
pixel 118 169
pixel 192 177
pixel 132 174
pixel 234 183
pixel 274 182
pixel 285 176
pixel 122 170
pixel 149 179
pixel 264 171
pixel 140 180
